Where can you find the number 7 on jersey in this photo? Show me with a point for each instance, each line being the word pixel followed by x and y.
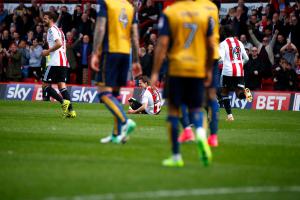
pixel 191 36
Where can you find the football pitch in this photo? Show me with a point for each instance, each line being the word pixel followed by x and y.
pixel 45 157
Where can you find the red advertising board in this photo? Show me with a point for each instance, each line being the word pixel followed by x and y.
pixel 296 103
pixel 271 101
pixel 38 92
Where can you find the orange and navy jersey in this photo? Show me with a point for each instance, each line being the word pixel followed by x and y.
pixel 120 16
pixel 188 26
pixel 214 13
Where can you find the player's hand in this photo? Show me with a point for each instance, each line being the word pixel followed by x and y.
pixel 95 62
pixel 154 78
pixel 45 52
pixel 208 80
pixel 136 70
pixel 131 111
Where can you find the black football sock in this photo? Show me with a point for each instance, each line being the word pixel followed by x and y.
pixel 242 95
pixel 64 92
pixel 52 93
pixel 46 96
pixel 226 103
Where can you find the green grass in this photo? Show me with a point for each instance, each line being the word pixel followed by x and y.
pixel 43 155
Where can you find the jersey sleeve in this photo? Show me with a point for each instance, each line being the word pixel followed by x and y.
pixel 135 18
pixel 210 27
pixel 245 56
pixel 163 25
pixel 145 97
pixel 55 34
pixel 222 51
pixel 101 9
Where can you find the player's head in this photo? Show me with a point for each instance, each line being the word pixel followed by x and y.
pixel 144 81
pixel 228 31
pixel 49 18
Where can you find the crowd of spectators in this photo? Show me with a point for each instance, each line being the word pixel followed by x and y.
pixel 23 37
pixel 269 33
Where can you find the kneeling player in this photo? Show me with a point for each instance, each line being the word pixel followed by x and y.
pixel 150 102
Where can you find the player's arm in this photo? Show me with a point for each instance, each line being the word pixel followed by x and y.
pixel 57 44
pixel 139 110
pixel 136 66
pixel 161 47
pixel 99 33
pixel 222 52
pixel 210 45
pixel 245 56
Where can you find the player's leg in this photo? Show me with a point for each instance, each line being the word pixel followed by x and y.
pixel 213 106
pixel 50 92
pixel 61 78
pixel 242 92
pixel 134 104
pixel 115 133
pixel 174 94
pixel 187 134
pixel 194 101
pixel 173 129
pixel 108 79
pixel 226 83
pixel 49 77
pixel 123 67
pixel 114 106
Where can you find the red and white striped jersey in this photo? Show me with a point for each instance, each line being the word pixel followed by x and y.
pixel 233 56
pixel 151 97
pixel 58 57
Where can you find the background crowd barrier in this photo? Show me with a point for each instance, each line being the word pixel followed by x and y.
pixel 262 100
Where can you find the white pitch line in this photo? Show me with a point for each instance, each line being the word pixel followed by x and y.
pixel 181 193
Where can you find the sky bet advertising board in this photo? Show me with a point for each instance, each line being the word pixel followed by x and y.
pixel 261 100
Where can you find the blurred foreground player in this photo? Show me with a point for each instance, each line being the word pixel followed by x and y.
pixel 211 96
pixel 58 65
pixel 116 27
pixel 185 33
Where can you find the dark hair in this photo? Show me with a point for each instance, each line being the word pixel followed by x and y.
pixel 228 31
pixel 51 15
pixel 145 79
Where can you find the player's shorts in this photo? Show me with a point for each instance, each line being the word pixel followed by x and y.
pixel 232 82
pixel 188 91
pixel 55 74
pixel 113 69
pixel 135 104
pixel 216 76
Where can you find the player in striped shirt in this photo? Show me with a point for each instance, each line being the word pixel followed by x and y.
pixel 233 56
pixel 57 65
pixel 150 101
